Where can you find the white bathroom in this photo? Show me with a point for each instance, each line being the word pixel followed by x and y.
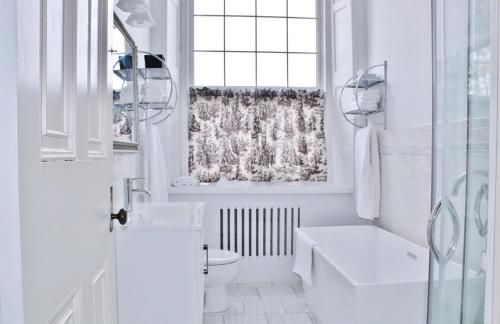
pixel 250 162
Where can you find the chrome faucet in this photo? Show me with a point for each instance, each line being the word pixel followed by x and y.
pixel 129 191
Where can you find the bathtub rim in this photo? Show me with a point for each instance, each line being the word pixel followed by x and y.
pixel 368 285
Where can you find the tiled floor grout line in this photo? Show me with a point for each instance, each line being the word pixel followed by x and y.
pixel 291 302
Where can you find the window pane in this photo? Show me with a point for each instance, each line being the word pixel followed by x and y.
pixel 271 34
pixel 240 69
pixel 302 35
pixel 271 70
pixel 271 7
pixel 240 7
pixel 208 69
pixel 302 70
pixel 209 33
pixel 208 7
pixel 240 34
pixel 302 8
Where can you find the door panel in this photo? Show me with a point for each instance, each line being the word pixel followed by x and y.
pixel 449 158
pixel 58 105
pixel 476 227
pixel 70 312
pixel 457 229
pixel 96 108
pixel 342 62
pixel 67 249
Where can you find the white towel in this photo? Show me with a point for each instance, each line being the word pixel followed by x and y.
pixel 367 164
pixel 369 96
pixel 369 92
pixel 151 93
pixel 127 95
pixel 367 100
pixel 303 257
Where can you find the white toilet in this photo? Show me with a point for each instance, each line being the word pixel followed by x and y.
pixel 223 267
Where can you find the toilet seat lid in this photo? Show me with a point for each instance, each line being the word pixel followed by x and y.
pixel 220 257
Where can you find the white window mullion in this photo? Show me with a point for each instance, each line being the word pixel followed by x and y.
pixel 224 48
pixel 287 52
pixel 256 49
pixel 286 62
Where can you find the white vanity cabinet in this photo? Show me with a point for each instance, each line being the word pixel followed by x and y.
pixel 160 264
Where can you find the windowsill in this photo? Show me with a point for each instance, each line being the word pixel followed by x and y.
pixel 260 189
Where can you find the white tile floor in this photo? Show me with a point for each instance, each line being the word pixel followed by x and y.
pixel 264 303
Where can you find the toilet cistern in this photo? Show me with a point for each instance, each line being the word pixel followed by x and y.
pixel 129 191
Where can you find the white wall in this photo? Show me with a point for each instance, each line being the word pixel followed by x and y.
pixel 10 244
pixel 130 164
pixel 141 36
pixel 400 32
pixel 165 39
pixel 162 38
pixel 406 162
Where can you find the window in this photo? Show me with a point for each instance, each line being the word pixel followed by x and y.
pixel 255 43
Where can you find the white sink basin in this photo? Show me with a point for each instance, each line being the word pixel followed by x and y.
pixel 177 215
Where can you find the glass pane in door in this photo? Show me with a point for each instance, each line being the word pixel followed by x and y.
pixel 450 116
pixel 476 226
pixel 458 226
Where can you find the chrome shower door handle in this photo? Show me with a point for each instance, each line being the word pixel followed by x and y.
pixel 482 227
pixel 430 228
pixel 436 211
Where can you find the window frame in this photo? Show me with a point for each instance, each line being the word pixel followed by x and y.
pixel 320 66
pixel 186 76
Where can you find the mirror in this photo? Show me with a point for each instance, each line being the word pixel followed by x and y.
pixel 125 89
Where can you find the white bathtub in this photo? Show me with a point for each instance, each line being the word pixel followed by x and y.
pixel 366 275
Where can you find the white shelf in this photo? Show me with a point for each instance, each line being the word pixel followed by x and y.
pixel 155 74
pixel 364 83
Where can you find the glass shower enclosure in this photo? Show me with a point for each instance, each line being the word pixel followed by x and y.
pixel 458 227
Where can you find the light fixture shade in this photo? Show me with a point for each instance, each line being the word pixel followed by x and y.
pixel 134 6
pixel 141 20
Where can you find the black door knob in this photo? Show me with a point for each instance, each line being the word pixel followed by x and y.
pixel 122 216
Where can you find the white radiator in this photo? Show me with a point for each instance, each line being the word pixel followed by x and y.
pixel 259 231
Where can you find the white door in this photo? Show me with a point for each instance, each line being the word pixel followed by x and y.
pixel 65 161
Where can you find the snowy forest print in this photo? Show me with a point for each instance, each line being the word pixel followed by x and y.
pixel 257 135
